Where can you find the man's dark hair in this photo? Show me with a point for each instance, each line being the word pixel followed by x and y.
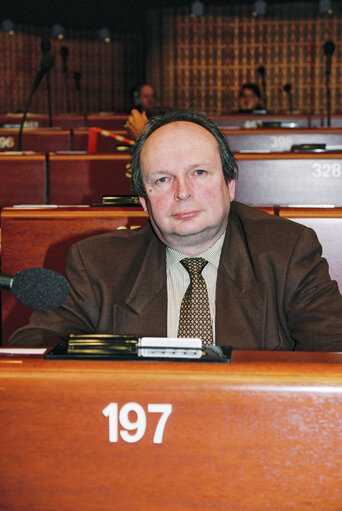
pixel 229 165
pixel 252 86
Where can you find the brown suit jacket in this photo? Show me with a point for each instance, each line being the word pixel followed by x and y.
pixel 273 288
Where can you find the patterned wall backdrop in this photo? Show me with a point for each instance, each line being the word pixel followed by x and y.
pixel 201 61
pixel 108 72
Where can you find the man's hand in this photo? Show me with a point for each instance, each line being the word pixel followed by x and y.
pixel 135 123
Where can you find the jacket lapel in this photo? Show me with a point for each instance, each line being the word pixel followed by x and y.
pixel 240 298
pixel 145 309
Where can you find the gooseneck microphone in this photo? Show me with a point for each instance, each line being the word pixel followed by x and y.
pixel 77 78
pixel 262 72
pixel 45 45
pixel 46 63
pixel 328 48
pixel 65 55
pixel 38 288
pixel 288 89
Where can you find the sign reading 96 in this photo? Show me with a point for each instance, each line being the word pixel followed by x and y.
pixel 134 428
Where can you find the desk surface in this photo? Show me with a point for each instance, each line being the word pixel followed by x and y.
pixel 263 432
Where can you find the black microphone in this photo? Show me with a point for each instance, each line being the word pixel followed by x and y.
pixel 288 88
pixel 328 48
pixel 262 72
pixel 45 44
pixel 38 288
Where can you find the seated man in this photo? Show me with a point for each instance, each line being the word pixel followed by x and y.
pixel 144 99
pixel 204 266
pixel 249 98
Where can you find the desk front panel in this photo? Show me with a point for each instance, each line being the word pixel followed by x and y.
pixel 278 140
pixel 259 433
pixel 37 140
pixel 84 179
pixel 22 179
pixel 107 121
pixel 283 179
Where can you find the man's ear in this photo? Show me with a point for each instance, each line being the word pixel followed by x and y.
pixel 144 204
pixel 231 188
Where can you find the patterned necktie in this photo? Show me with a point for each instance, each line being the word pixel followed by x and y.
pixel 194 317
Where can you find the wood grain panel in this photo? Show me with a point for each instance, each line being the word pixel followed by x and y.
pixel 84 179
pixel 22 179
pixel 259 433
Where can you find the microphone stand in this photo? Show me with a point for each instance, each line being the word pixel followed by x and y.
pixel 49 97
pixel 45 65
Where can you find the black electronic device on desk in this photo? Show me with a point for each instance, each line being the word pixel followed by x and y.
pixel 132 347
pixel 316 148
pixel 120 200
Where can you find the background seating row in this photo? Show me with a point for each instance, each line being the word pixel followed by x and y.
pixel 250 140
pixel 116 121
pixel 268 179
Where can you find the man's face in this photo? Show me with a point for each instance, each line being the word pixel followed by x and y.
pixel 249 100
pixel 147 97
pixel 187 199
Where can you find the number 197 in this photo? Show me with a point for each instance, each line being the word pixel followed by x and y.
pixel 134 430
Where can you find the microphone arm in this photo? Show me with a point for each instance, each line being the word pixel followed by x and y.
pixel 45 65
pixel 48 88
pixel 64 55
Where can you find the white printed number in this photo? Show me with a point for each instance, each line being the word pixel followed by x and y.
pixel 6 142
pixel 134 430
pixel 281 141
pixel 327 170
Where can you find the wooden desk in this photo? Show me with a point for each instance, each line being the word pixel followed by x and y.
pixel 38 140
pixel 263 432
pixel 285 179
pixel 327 223
pixel 34 121
pixel 41 238
pixel 84 179
pixel 277 140
pixel 249 120
pixel 22 179
pixel 107 121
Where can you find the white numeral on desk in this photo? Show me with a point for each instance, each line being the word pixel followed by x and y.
pixel 281 141
pixel 327 170
pixel 138 425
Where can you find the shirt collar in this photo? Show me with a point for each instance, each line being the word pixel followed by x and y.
pixel 212 254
